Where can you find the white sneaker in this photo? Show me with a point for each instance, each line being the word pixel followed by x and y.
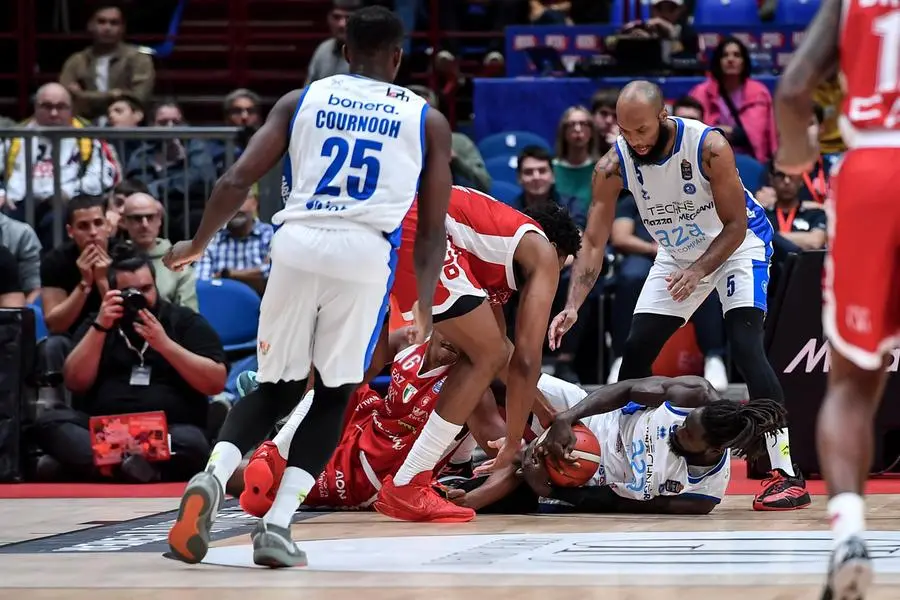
pixel 614 371
pixel 715 373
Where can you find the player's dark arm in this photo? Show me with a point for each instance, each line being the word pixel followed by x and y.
pixel 536 299
pixel 728 193
pixel 499 484
pixel 263 152
pixel 389 344
pixel 605 187
pixel 602 499
pixel 434 196
pixel 686 392
pixel 814 61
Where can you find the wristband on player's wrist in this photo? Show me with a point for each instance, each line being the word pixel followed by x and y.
pixel 100 327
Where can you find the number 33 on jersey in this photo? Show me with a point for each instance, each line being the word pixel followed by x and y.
pixel 357 148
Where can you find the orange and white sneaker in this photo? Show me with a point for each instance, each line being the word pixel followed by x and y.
pixel 262 476
pixel 782 492
pixel 418 501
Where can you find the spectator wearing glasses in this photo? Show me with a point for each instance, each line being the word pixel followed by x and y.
pixel 142 217
pixel 242 109
pixel 576 154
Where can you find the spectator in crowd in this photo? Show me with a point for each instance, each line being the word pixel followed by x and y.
pixel 108 68
pixel 828 96
pixel 136 355
pixel 738 104
pixel 87 166
pixel 22 242
pixel 668 22
pixel 534 167
pixel 466 162
pixel 11 294
pixel 328 59
pixel 603 109
pixel 240 251
pixel 125 111
pixel 549 12
pixel 798 225
pixel 478 15
pixel 576 154
pixel 142 218
pixel 173 169
pixel 242 109
pixel 630 238
pixel 688 107
pixel 73 279
pixel 116 204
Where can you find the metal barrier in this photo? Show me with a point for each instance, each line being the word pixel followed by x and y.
pixel 184 140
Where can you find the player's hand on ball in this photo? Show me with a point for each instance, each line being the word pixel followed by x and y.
pixel 504 458
pixel 558 442
pixel 422 323
pixel 560 325
pixel 682 283
pixel 534 472
pixel 181 255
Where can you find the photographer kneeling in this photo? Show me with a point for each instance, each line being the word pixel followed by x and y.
pixel 138 354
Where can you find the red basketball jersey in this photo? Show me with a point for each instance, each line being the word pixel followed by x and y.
pixel 488 231
pixel 411 397
pixel 870 67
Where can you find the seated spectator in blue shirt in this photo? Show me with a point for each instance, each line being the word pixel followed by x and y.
pixel 241 250
pixel 535 169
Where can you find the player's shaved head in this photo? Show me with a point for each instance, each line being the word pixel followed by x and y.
pixel 642 117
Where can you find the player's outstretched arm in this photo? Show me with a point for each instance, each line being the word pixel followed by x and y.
pixel 602 499
pixel 816 58
pixel 263 152
pixel 605 187
pixel 731 205
pixel 434 196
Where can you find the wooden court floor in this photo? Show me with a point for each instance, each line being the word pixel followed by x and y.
pixel 111 549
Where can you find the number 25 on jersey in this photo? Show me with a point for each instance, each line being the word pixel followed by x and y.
pixel 364 163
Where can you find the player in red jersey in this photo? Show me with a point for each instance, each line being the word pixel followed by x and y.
pixel 492 251
pixel 861 313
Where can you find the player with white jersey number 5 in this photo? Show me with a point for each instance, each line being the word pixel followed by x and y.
pixel 356 147
pixel 712 235
pixel 861 313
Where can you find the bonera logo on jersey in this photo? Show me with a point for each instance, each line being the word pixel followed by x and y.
pixel 815 357
pixel 359 105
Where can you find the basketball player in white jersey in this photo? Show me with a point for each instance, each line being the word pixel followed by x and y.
pixel 356 145
pixel 711 234
pixel 664 444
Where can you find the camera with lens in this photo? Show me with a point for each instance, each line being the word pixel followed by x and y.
pixel 133 302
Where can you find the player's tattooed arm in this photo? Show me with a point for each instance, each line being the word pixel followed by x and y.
pixel 605 187
pixel 814 61
pixel 264 150
pixel 729 195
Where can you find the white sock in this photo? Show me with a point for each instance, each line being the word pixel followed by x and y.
pixel 295 485
pixel 779 447
pixel 847 512
pixel 436 437
pixel 224 459
pixel 463 454
pixel 286 434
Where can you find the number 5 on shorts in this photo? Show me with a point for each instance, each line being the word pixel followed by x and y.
pixel 729 286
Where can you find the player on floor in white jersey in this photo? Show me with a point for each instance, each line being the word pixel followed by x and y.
pixel 712 235
pixel 356 146
pixel 664 444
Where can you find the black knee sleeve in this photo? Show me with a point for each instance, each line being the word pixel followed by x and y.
pixel 255 415
pixel 744 327
pixel 318 435
pixel 649 333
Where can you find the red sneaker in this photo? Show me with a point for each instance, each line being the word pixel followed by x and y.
pixel 782 492
pixel 418 501
pixel 262 476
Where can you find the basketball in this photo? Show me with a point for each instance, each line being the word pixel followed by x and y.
pixel 587 453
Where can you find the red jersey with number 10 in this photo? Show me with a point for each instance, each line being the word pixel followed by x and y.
pixel 489 232
pixel 870 66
